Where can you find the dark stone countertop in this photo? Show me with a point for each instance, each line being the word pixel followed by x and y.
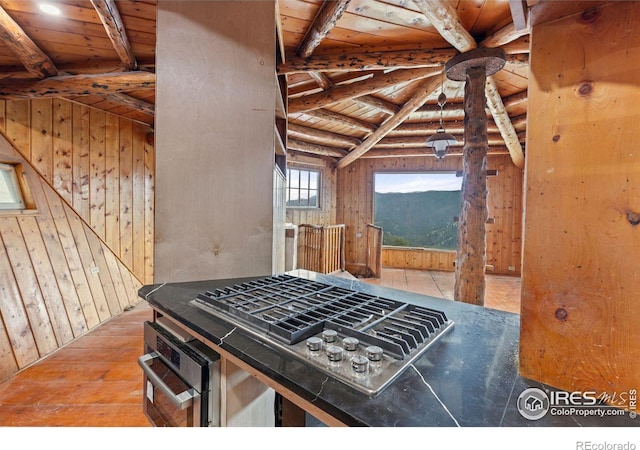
pixel 469 377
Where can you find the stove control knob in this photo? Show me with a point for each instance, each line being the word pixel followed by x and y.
pixel 334 353
pixel 350 344
pixel 374 353
pixel 359 364
pixel 314 344
pixel 329 335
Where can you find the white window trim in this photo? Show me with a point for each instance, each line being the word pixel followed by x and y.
pixel 320 183
pixel 10 177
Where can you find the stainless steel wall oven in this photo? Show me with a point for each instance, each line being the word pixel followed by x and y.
pixel 181 379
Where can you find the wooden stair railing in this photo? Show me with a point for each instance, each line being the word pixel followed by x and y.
pixel 374 251
pixel 321 248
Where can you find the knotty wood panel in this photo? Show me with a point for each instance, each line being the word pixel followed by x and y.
pixel 580 278
pixel 326 215
pixel 100 164
pixel 58 280
pixel 418 258
pixel 355 194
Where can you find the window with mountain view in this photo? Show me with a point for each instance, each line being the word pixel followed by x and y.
pixel 418 209
pixel 303 188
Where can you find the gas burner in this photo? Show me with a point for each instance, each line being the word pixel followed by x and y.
pixel 363 340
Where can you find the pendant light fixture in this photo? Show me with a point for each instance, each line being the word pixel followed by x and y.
pixel 441 141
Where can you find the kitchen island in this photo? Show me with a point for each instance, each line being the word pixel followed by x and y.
pixel 468 377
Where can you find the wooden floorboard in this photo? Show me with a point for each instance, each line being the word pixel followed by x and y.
pixel 501 292
pixel 95 381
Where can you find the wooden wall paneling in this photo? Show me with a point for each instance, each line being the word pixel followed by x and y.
pixel 45 275
pixel 58 259
pixel 131 284
pixel 517 221
pixel 14 317
pixel 354 206
pixel 88 264
pixel 97 175
pixel 41 137
pixel 81 167
pixel 102 269
pixel 112 182
pixel 8 364
pixel 126 194
pixel 495 231
pixel 34 305
pixel 63 149
pixel 580 279
pixel 138 203
pixel 74 262
pixel 327 214
pixel 149 208
pixel 116 277
pixel 17 127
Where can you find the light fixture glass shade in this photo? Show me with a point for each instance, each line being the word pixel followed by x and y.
pixel 440 142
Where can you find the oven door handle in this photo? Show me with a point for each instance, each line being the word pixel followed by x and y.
pixel 182 400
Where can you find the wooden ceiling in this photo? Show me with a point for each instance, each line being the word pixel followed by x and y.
pixel 363 75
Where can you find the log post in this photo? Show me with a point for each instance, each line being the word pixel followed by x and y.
pixel 473 67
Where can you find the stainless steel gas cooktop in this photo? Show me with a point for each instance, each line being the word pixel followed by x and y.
pixel 363 340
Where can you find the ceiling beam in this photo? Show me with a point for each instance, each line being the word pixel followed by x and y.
pixel 131 102
pixel 503 36
pixel 378 103
pixel 403 59
pixel 347 121
pixel 339 94
pixel 315 149
pixel 422 92
pixel 110 18
pixel 321 137
pixel 77 85
pixel 422 152
pixel 329 13
pixel 30 55
pixel 419 141
pixel 444 18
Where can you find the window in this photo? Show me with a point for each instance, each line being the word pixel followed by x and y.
pixel 10 192
pixel 418 209
pixel 303 188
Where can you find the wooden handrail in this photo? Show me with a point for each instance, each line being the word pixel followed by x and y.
pixel 374 250
pixel 321 247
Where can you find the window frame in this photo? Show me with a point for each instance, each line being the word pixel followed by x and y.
pixel 20 184
pixel 299 188
pixel 9 177
pixel 409 172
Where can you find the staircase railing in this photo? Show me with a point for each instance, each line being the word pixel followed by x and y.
pixel 321 248
pixel 374 250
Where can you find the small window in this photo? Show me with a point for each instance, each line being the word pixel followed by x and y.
pixel 10 193
pixel 303 188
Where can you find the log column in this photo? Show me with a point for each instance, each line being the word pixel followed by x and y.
pixel 473 67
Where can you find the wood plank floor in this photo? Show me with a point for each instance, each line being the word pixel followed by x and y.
pixel 501 292
pixel 95 381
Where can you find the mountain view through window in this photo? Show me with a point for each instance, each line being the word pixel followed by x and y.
pixel 418 209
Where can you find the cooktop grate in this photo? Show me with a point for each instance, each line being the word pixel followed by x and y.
pixel 293 309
